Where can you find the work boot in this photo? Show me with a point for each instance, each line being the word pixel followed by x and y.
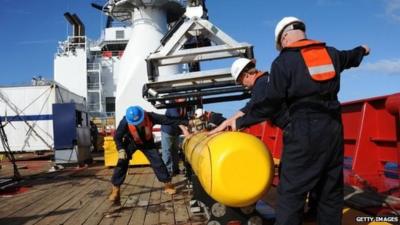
pixel 169 188
pixel 115 195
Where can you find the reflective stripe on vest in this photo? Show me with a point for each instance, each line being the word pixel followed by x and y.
pixel 148 129
pixel 316 58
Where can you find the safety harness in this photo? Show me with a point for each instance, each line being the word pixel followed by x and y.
pixel 148 128
pixel 316 58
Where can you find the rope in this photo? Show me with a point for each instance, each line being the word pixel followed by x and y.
pixel 9 153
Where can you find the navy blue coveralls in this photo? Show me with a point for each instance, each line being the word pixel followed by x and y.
pixel 280 118
pixel 124 140
pixel 312 157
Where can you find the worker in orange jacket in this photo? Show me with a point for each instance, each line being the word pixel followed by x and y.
pixel 135 132
pixel 306 76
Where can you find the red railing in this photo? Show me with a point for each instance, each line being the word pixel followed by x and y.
pixel 109 54
pixel 372 143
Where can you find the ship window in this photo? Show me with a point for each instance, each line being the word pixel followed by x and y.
pixel 110 104
pixel 119 34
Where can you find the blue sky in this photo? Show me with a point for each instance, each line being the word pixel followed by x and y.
pixel 31 29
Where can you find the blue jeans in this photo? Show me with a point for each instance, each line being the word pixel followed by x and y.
pixel 170 149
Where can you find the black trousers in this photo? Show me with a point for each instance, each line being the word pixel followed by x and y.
pixel 312 159
pixel 156 164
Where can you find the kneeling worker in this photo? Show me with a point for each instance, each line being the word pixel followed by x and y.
pixel 135 132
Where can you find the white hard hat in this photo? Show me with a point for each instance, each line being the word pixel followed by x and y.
pixel 281 26
pixel 198 113
pixel 238 66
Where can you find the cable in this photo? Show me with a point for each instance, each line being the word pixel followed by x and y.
pixel 9 153
pixel 33 125
pixel 16 110
pixel 21 111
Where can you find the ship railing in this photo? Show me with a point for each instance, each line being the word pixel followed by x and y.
pixel 71 44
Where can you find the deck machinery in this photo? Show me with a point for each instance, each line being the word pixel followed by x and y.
pixel 205 86
pixel 192 40
pixel 171 70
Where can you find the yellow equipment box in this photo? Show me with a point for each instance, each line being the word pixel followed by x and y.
pixel 111 154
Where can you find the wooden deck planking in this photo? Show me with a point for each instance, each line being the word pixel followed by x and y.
pixel 43 206
pixel 166 209
pixel 115 211
pixel 99 205
pixel 132 198
pixel 67 210
pixel 153 210
pixel 77 197
pixel 80 197
pixel 139 212
pixel 180 202
pixel 37 188
pixel 24 200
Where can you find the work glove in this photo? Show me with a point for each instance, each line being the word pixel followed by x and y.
pixel 122 154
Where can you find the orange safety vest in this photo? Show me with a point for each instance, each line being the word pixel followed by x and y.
pixel 148 129
pixel 316 58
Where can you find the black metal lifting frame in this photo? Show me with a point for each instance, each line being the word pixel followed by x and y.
pixel 206 86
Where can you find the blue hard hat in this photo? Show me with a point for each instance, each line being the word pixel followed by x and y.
pixel 134 115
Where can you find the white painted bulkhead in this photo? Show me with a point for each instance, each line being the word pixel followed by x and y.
pixel 33 129
pixel 70 70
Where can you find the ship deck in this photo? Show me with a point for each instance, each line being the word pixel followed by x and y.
pixel 78 196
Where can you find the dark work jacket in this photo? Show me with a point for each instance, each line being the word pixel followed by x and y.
pixel 280 118
pixel 215 119
pixel 123 137
pixel 290 83
pixel 257 92
pixel 172 129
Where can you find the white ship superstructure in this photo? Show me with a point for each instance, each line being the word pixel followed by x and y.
pixel 149 21
pixel 110 73
pixel 90 68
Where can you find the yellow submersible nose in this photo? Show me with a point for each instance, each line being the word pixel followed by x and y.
pixel 234 168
